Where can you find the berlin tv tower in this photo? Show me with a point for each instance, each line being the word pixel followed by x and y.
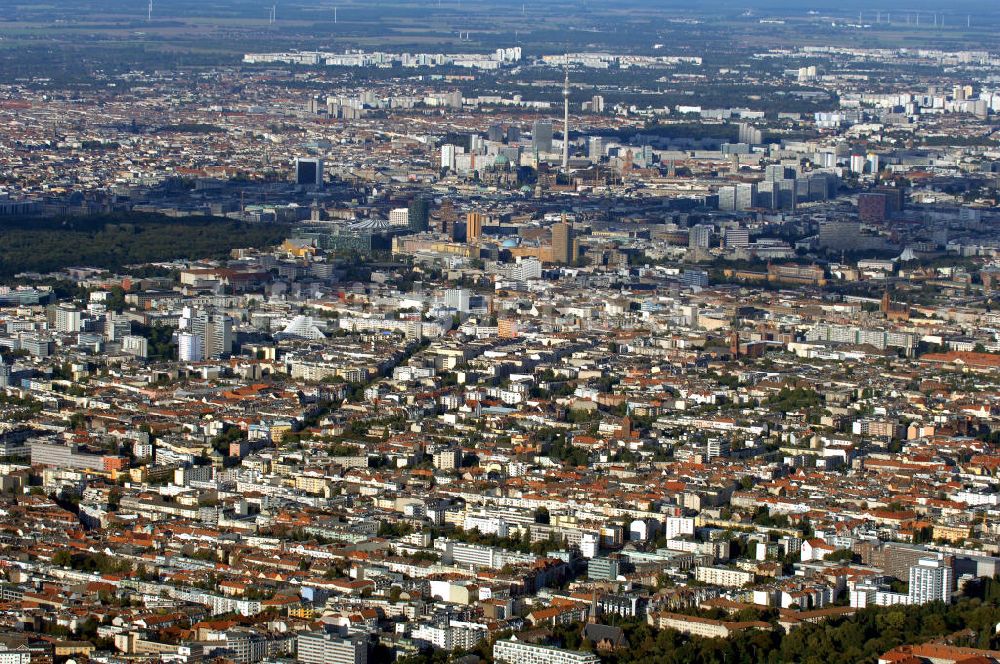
pixel 565 155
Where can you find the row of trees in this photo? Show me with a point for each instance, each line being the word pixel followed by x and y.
pixel 860 638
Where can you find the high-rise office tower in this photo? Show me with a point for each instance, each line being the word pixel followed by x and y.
pixel 309 172
pixel 643 157
pixel 448 218
pixel 737 237
pixel 220 335
pixel 449 154
pixel 595 148
pixel 135 345
pixel 874 165
pixel 399 217
pixel 562 243
pixel 777 172
pixel 727 203
pixel 216 332
pixel 749 134
pixel 67 319
pixel 458 299
pixel 474 226
pixel 419 214
pixel 699 237
pixel 116 326
pixel 745 193
pixel 784 193
pixel 190 347
pixel 541 136
pixel 5 372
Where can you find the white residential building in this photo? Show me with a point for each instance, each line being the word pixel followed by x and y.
pixel 516 652
pixel 931 580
